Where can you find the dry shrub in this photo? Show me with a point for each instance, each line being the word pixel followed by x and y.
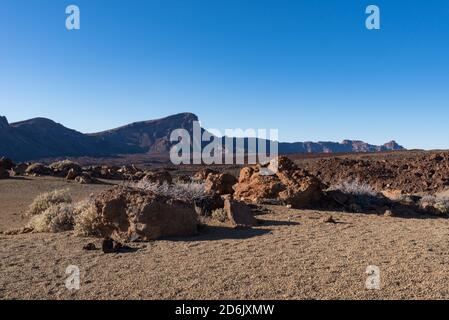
pixel 87 221
pixel 440 205
pixel 44 201
pixel 219 215
pixel 186 191
pixel 356 188
pixel 56 218
pixel 58 165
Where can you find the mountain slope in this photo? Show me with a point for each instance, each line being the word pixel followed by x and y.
pixel 43 138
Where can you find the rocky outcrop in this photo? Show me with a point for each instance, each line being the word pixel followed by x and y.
pixel 62 168
pixel 128 213
pixel 220 183
pixel 289 185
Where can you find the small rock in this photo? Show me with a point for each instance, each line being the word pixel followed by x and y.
pixel 327 219
pixel 388 213
pixel 90 247
pixel 111 246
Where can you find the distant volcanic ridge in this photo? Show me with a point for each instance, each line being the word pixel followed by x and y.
pixel 40 138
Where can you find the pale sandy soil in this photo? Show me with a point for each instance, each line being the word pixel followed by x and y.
pixel 292 255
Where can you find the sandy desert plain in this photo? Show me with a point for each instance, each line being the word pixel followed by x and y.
pixel 321 251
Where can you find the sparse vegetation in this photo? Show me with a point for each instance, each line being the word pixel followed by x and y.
pixel 219 215
pixel 87 221
pixel 48 199
pixel 356 188
pixel 56 218
pixel 62 164
pixel 186 191
pixel 439 205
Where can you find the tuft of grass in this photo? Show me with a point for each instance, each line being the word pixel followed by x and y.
pixel 44 201
pixel 356 188
pixel 186 191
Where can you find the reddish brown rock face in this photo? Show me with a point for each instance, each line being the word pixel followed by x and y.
pixel 128 213
pixel 290 185
pixel 220 183
pixel 239 214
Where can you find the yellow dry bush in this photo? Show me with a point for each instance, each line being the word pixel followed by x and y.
pixel 87 221
pixel 56 218
pixel 48 199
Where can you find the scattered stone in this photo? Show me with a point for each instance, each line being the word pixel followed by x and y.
pixel 327 219
pixel 388 213
pixel 84 178
pixel 111 246
pixel 89 247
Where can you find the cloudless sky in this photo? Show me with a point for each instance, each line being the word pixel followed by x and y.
pixel 309 68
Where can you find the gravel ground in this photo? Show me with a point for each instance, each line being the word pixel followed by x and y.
pixel 291 255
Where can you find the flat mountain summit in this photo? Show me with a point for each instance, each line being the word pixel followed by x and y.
pixel 43 138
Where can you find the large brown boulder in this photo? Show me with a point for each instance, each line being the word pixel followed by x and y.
pixel 129 214
pixel 220 183
pixel 62 168
pixel 289 184
pixel 239 214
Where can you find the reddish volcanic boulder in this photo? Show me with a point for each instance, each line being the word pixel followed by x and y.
pixel 290 185
pixel 129 214
pixel 239 214
pixel 220 183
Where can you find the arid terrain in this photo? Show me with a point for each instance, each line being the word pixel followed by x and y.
pixel 290 254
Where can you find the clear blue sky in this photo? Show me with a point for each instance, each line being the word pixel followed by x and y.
pixel 309 68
